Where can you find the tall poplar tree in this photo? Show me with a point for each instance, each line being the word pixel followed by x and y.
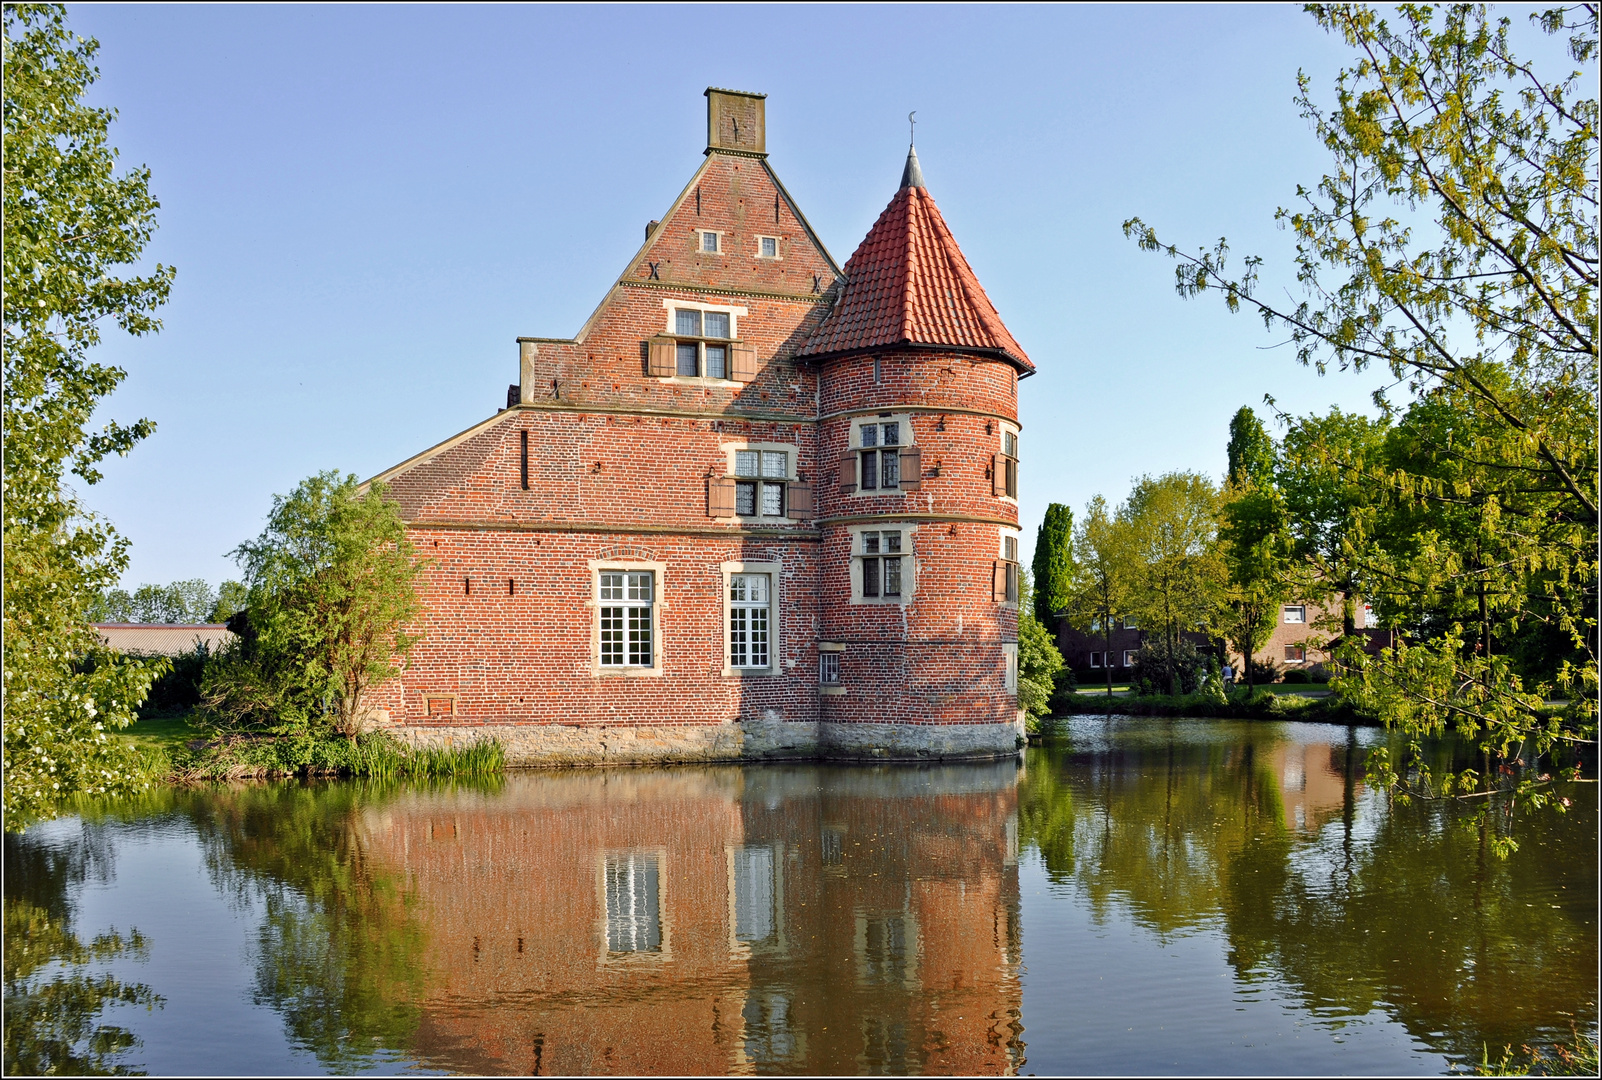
pixel 1454 244
pixel 70 223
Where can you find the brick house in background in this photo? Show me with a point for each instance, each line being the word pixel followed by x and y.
pixel 759 505
pixel 1090 653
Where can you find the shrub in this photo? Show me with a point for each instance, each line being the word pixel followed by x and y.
pixel 1264 671
pixel 1296 676
pixel 1153 663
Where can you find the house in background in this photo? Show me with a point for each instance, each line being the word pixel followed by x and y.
pixel 1091 652
pixel 162 639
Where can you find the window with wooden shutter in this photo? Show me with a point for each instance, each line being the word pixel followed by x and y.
pixel 662 357
pixel 911 468
pixel 848 473
pixel 995 474
pixel 800 500
pixel 998 582
pixel 1010 480
pixel 720 497
pixel 744 360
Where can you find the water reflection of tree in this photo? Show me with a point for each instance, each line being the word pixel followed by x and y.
pixel 53 1006
pixel 341 946
pixel 1393 909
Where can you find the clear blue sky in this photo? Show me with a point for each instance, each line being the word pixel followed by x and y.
pixel 367 205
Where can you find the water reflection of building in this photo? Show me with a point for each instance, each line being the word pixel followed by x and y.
pixel 801 919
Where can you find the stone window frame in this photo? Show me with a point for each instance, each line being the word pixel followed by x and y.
pixel 775 600
pixel 1014 565
pixel 909 564
pixel 700 241
pixel 778 248
pixel 831 648
pixel 670 330
pixel 665 953
pixel 778 943
pixel 854 446
pixel 1009 670
pixel 793 475
pixel 1003 429
pixel 659 605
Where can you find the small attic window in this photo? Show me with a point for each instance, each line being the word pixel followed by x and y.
pixel 767 247
pixel 709 242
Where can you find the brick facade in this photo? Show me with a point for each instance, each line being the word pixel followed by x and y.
pixel 608 458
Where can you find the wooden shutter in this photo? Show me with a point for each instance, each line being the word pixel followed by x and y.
pixel 720 497
pixel 799 501
pixel 995 474
pixel 743 362
pixel 998 582
pixel 848 473
pixel 661 364
pixel 911 468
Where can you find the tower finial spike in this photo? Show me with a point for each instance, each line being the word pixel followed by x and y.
pixel 912 128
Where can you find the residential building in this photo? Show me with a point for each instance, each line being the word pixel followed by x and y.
pixel 759 505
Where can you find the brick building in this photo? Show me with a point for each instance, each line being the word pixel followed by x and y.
pixel 759 505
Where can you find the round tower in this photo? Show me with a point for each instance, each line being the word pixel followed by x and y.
pixel 917 498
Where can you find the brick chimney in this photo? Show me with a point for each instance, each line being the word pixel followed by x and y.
pixel 734 122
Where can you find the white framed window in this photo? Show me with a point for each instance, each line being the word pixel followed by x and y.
pixel 767 247
pixel 1370 620
pixel 1004 584
pixel 761 477
pixel 628 603
pixel 1295 654
pixel 1129 657
pixel 1095 659
pixel 1005 467
pixel 828 669
pixel 1295 613
pixel 1009 671
pixel 1130 624
pixel 633 885
pixel 711 241
pixel 750 620
pixel 751 598
pixel 885 456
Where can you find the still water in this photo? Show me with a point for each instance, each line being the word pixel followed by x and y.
pixel 1146 896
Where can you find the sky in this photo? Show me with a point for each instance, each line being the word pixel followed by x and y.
pixel 366 206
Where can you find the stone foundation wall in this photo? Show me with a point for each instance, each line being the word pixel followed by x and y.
pixel 545 745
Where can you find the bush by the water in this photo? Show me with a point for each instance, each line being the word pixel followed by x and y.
pixel 1238 704
pixel 1156 662
pixel 375 754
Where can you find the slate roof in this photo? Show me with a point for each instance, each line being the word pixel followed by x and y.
pixel 908 283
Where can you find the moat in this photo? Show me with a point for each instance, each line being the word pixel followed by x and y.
pixel 1142 896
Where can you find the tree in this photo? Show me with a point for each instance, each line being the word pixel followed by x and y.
pixel 1039 660
pixel 1454 242
pixel 192 601
pixel 1178 574
pixel 332 586
pixel 1255 542
pixel 1053 563
pixel 69 223
pixel 1103 573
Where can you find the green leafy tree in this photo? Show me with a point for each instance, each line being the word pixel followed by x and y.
pixel 1054 563
pixel 1039 659
pixel 1104 572
pixel 1178 575
pixel 1454 243
pixel 1254 540
pixel 192 601
pixel 70 221
pixel 332 587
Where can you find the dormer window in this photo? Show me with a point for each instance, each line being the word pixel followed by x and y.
pixel 699 341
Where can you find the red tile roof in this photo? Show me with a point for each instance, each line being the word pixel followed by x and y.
pixel 908 282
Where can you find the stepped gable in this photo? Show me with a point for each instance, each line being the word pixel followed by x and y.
pixel 908 283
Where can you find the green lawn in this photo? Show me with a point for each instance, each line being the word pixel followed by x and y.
pixel 168 732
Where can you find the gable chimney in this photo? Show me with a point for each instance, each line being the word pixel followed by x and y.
pixel 734 121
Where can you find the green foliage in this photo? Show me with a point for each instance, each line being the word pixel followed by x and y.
pixel 1251 451
pixel 1582 1057
pixel 53 1006
pixel 69 221
pixel 332 586
pixel 1104 573
pixel 1159 665
pixel 375 755
pixel 1039 661
pixel 182 602
pixel 1054 563
pixel 1178 574
pixel 1454 242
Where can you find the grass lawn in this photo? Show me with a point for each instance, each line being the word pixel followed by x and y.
pixel 168 732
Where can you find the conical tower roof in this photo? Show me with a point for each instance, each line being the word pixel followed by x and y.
pixel 908 284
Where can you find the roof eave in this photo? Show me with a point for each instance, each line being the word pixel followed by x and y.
pixel 1022 363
